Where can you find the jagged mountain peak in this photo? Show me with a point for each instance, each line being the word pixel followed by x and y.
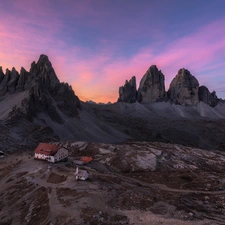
pixel 152 87
pixel 128 92
pixel 183 71
pixel 14 69
pixel 43 92
pixel 1 74
pixel 41 73
pixel 44 72
pixel 43 58
pixel 153 67
pixel 186 77
pixel 43 62
pixel 183 89
pixel 22 70
pixel 207 97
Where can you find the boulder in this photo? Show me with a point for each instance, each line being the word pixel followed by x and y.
pixel 207 97
pixel 183 89
pixel 152 86
pixel 128 92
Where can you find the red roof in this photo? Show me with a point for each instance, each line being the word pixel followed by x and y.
pixel 47 149
pixel 86 159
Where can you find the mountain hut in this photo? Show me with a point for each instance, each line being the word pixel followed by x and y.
pixel 50 152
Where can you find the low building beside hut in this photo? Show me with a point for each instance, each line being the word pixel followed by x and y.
pixel 81 174
pixel 86 159
pixel 50 152
pixel 83 161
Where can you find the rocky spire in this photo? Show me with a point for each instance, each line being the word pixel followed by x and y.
pixel 184 89
pixel 152 86
pixel 128 92
pixel 44 72
pixel 9 82
pixel 4 82
pixel 207 97
pixel 45 89
pixel 24 82
pixel 14 77
pixel 1 75
pixel 45 94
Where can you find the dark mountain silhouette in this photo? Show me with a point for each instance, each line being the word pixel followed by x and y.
pixel 35 106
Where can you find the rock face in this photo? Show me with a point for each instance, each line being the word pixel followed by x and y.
pixel 9 81
pixel 183 89
pixel 128 92
pixel 207 97
pixel 14 77
pixel 44 72
pixel 24 81
pixel 46 93
pixel 152 86
pixel 1 75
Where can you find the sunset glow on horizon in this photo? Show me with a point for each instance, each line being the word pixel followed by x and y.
pixel 95 45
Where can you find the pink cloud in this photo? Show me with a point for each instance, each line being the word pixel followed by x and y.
pixel 197 52
pixel 98 75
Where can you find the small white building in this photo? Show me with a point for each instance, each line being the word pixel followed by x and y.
pixel 50 152
pixel 81 174
pixel 1 154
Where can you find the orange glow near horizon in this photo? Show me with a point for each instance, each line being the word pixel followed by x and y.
pixel 96 56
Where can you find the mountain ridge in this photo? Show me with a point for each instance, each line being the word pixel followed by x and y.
pixel 50 110
pixel 184 89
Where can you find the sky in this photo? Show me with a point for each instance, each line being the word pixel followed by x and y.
pixel 96 45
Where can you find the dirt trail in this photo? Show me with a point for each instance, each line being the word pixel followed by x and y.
pixel 28 185
pixel 162 187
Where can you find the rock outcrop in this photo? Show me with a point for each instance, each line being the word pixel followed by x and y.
pixel 207 97
pixel 128 92
pixel 183 89
pixel 152 86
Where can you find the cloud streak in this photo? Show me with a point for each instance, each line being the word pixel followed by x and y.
pixel 97 50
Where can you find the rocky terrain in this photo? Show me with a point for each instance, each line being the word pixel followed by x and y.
pixel 147 168
pixel 130 183
pixel 35 106
pixel 41 93
pixel 197 126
